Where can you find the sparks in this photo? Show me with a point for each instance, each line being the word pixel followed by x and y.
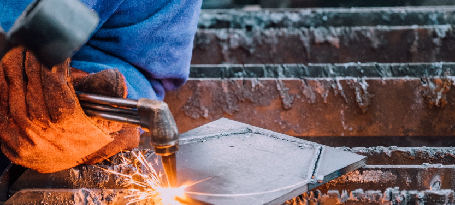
pixel 151 189
pixel 149 182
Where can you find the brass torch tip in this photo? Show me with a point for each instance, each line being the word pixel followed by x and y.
pixel 166 150
pixel 170 169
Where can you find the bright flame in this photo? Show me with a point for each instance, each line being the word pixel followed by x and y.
pixel 169 195
pixel 148 179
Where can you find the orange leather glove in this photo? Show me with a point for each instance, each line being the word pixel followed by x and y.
pixel 42 125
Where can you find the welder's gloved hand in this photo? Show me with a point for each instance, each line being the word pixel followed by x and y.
pixel 42 125
pixel 110 83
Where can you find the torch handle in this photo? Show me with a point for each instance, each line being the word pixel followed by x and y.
pixel 109 108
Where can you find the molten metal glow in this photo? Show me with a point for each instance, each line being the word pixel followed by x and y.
pixel 169 195
pixel 145 176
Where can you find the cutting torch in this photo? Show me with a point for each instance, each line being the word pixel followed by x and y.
pixel 153 116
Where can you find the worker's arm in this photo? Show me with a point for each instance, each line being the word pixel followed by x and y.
pixel 149 41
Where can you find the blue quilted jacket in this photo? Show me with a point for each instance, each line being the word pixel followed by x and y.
pixel 149 41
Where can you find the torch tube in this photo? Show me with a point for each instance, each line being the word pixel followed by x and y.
pixel 113 117
pixel 109 109
pixel 103 100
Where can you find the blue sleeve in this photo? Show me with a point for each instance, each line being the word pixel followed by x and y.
pixel 149 41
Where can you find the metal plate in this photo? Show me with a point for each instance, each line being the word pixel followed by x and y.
pixel 242 164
